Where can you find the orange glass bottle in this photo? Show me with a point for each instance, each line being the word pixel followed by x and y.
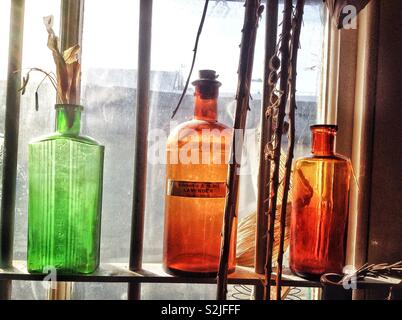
pixel 197 165
pixel 319 207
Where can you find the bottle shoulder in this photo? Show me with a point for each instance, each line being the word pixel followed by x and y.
pixel 336 158
pixel 199 128
pixel 57 136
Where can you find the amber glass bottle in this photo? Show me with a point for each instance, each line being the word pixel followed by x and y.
pixel 197 165
pixel 319 207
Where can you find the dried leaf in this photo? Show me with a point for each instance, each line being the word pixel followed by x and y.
pixel 24 85
pixel 67 65
pixel 62 77
pixel 48 21
pixel 52 43
pixel 71 54
pixel 61 72
pixel 74 72
pixel 25 81
pixel 36 101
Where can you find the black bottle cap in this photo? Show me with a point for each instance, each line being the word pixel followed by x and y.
pixel 205 76
pixel 333 127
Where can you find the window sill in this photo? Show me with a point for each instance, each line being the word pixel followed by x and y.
pixel 151 273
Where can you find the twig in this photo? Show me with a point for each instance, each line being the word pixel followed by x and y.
pixel 264 166
pixel 277 116
pixel 48 75
pixel 204 13
pixel 51 77
pixel 295 41
pixel 251 18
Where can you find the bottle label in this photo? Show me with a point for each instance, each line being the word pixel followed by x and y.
pixel 196 189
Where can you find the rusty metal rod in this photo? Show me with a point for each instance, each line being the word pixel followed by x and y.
pixel 11 140
pixel 71 26
pixel 141 143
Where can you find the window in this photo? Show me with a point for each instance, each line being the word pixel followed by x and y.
pixel 109 82
pixel 4 28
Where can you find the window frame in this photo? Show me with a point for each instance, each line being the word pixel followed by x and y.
pixel 72 15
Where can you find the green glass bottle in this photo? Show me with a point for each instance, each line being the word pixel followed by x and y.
pixel 65 197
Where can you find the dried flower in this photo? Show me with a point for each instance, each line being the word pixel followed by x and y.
pixel 68 69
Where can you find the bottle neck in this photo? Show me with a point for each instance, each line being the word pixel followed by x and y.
pixel 323 142
pixel 68 119
pixel 206 102
pixel 205 109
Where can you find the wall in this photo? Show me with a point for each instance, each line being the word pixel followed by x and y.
pixel 385 228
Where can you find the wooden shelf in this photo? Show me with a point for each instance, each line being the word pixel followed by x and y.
pixel 151 273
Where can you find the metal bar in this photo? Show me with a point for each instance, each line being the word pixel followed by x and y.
pixel 271 24
pixel 71 27
pixel 154 273
pixel 151 273
pixel 62 291
pixel 11 140
pixel 141 142
pixel 258 292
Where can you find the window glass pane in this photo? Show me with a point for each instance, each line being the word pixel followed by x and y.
pixel 109 81
pixel 219 50
pixel 309 74
pixel 171 59
pixel 4 38
pixel 99 291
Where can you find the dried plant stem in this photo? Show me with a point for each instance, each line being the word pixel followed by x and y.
pixel 294 47
pixel 264 166
pixel 375 270
pixel 251 17
pixel 195 50
pixel 47 75
pixel 276 139
pixel 50 75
